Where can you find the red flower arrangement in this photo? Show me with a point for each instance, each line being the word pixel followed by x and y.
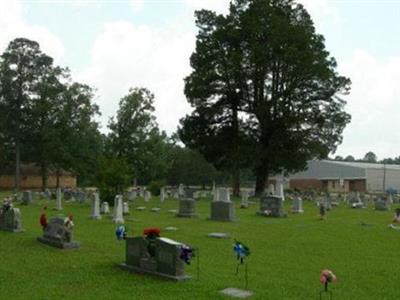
pixel 152 231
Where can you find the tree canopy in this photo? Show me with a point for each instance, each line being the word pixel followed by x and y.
pixel 263 87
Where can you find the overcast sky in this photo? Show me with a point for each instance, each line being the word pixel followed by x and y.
pixel 114 45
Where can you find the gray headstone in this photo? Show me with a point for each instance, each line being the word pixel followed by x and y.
pixel 147 196
pixel 155 209
pixel 271 205
pixel 245 199
pixel 223 195
pixel 222 211
pixel 382 205
pixel 26 197
pixel 96 206
pixel 236 293
pixel 297 205
pixel 162 194
pixel 58 235
pixel 10 219
pixel 165 262
pixel 187 208
pixel 140 208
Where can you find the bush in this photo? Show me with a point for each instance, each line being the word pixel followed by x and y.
pixel 155 186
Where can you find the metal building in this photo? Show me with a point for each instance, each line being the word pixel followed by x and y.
pixel 343 176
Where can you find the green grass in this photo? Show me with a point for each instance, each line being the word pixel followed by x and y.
pixel 285 263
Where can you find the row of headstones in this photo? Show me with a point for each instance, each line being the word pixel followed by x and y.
pixel 28 196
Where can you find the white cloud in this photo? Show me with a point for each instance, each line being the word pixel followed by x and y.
pixel 137 5
pixel 324 13
pixel 13 26
pixel 219 6
pixel 125 56
pixel 373 104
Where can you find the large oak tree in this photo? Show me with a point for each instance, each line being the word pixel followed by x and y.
pixel 263 87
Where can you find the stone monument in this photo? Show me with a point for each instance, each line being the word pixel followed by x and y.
pixel 104 208
pixel 222 209
pixel 10 219
pixel 271 205
pixel 118 210
pixel 96 206
pixel 187 205
pixel 58 234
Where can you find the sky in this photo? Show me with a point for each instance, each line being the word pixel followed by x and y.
pixel 115 45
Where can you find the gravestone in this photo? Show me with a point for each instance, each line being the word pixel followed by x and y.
pixel 10 219
pixel 162 194
pixel 222 209
pixel 187 205
pixel 281 191
pixel 147 196
pixel 80 196
pixel 218 235
pixel 244 203
pixel 271 189
pixel 58 200
pixel 67 195
pixel 132 194
pixel 26 197
pixel 118 216
pixel 125 208
pixel 382 205
pixel 47 193
pixel 57 235
pixel 164 261
pixel 96 206
pixel 271 205
pixel 297 205
pixel 181 190
pixel 105 208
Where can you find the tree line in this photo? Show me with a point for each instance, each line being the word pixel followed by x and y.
pixel 369 157
pixel 265 93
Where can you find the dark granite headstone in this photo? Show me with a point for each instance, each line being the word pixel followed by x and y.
pixel 222 211
pixel 10 219
pixel 164 261
pixel 26 197
pixel 271 205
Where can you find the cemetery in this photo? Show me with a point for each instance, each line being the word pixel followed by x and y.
pixel 287 254
pixel 197 149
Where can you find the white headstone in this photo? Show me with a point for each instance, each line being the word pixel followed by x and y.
pixel 223 195
pixel 297 205
pixel 271 189
pixel 280 191
pixel 96 206
pixel 245 199
pixel 215 194
pixel 105 208
pixel 181 190
pixel 58 200
pixel 147 196
pixel 125 209
pixel 118 210
pixel 162 194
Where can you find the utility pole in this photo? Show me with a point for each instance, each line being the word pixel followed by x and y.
pixel 384 178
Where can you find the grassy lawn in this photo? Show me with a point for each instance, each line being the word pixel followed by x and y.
pixel 285 263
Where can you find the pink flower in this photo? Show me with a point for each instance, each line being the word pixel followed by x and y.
pixel 327 276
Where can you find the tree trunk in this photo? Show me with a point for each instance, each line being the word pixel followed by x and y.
pixel 17 165
pixel 44 176
pixel 236 183
pixel 261 180
pixel 58 177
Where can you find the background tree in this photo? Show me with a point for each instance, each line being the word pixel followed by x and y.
pixel 349 158
pixel 370 157
pixel 280 79
pixel 20 70
pixel 135 137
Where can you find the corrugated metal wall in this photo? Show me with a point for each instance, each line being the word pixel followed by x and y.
pixel 375 179
pixel 326 169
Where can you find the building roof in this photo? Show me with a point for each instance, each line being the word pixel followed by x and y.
pixel 364 165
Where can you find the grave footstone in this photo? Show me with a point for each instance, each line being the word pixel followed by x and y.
pixel 58 235
pixel 236 293
pixel 218 235
pixel 271 205
pixel 156 209
pixel 10 218
pixel 96 206
pixel 105 208
pixel 118 210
